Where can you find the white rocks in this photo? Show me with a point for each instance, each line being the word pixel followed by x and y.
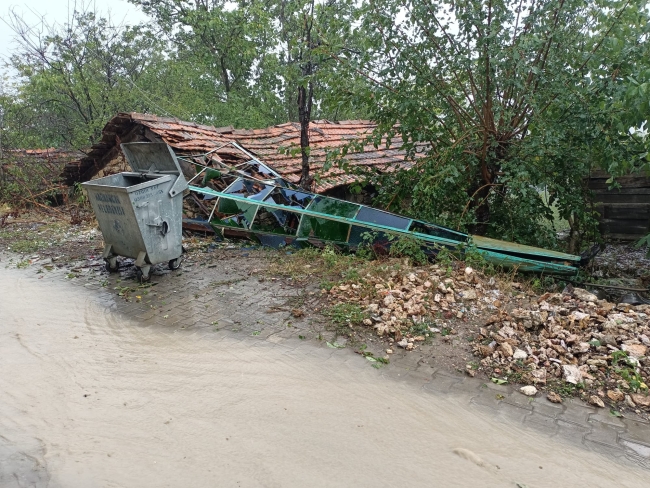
pixel 528 390
pixel 579 315
pixel 519 354
pixel 403 343
pixel 584 295
pixel 468 271
pixel 469 294
pixel 539 376
pixel 571 373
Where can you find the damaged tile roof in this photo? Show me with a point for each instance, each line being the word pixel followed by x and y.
pixel 271 145
pixel 51 162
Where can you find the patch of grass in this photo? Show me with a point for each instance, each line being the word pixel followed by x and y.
pixel 345 314
pixel 564 389
pixel 26 246
pixel 626 368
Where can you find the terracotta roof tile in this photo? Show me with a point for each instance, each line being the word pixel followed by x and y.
pixel 266 144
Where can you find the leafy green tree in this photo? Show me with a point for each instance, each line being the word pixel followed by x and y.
pixel 511 102
pixel 78 75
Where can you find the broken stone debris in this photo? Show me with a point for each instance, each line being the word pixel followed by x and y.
pixel 571 337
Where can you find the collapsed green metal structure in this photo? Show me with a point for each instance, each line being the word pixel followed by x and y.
pixel 253 200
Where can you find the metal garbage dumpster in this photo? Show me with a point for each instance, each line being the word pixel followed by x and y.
pixel 140 213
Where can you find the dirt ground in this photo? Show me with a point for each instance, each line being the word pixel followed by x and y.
pixel 321 293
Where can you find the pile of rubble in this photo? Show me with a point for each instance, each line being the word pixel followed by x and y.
pixel 570 341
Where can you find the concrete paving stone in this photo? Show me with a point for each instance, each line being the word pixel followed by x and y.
pixel 486 398
pixel 544 422
pixel 319 352
pixel 176 313
pixel 544 407
pixel 132 309
pixel 603 434
pixel 576 414
pixel 571 431
pixel 507 412
pixel 605 449
pixel 636 430
pixel 152 322
pixel 420 376
pixel 639 449
pixel 501 389
pixel 397 374
pixel 426 369
pixel 640 461
pixel 519 400
pixel 604 417
pixel 441 383
pixel 467 385
pixel 276 338
pixel 410 362
pixel 146 316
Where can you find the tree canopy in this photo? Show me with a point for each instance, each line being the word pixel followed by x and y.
pixel 507 104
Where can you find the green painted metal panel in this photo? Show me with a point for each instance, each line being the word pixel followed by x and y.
pixel 326 229
pixel 332 206
pixel 240 214
pixel 513 247
pixel 336 228
pixel 276 221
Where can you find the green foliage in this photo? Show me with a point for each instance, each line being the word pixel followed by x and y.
pixel 77 76
pixel 503 99
pixel 345 313
pixel 627 368
pixel 403 246
pixel 219 63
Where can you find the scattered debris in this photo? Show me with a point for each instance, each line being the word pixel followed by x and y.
pixel 596 401
pixel 528 390
pixel 570 338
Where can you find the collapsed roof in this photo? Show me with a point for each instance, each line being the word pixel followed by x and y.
pixel 274 145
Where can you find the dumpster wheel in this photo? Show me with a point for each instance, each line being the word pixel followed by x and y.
pixel 111 265
pixel 141 277
pixel 174 264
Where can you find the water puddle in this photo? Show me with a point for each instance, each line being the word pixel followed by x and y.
pixel 89 399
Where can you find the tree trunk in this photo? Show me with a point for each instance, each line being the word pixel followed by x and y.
pixel 305 97
pixel 481 209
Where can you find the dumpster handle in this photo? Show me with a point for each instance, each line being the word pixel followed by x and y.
pixel 164 227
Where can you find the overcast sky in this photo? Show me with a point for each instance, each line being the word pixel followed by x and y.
pixel 57 11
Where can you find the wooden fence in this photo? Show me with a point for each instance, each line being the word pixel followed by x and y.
pixel 625 211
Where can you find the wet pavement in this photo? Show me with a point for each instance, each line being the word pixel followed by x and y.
pixel 235 324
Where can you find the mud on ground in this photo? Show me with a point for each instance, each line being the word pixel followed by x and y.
pixel 374 307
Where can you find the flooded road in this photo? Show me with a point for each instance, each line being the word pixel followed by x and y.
pixel 90 399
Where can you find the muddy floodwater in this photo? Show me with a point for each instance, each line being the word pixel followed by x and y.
pixel 89 398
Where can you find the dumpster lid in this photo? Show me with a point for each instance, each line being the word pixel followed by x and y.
pixel 154 158
pixel 151 157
